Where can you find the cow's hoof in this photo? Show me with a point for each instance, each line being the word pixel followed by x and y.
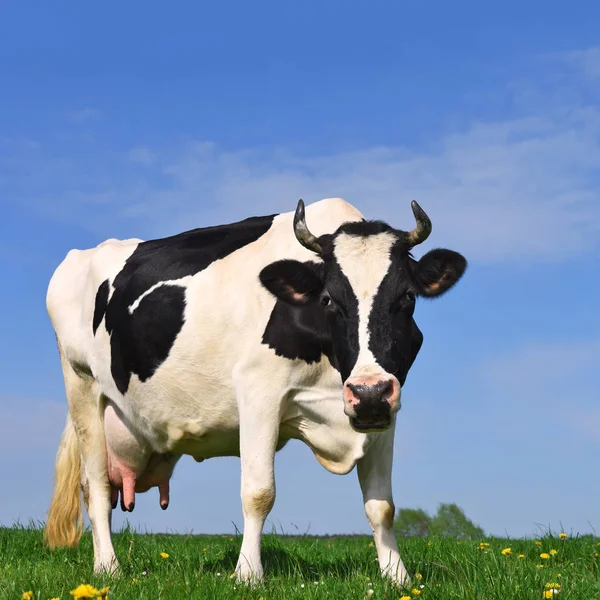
pixel 401 581
pixel 244 575
pixel 107 567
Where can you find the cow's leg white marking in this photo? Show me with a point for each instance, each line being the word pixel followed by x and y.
pixel 259 430
pixel 83 400
pixel 375 476
pixel 93 451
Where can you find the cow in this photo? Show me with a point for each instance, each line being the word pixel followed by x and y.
pixel 231 340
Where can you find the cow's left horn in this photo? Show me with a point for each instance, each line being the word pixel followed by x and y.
pixel 421 232
pixel 303 235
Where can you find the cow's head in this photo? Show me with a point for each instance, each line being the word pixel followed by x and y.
pixel 360 301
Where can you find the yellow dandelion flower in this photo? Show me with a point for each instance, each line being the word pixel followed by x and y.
pixel 419 576
pixel 506 551
pixel 540 566
pixel 552 586
pixel 103 593
pixel 27 595
pixel 521 556
pixel 135 580
pixel 562 535
pixel 549 594
pixel 538 543
pixel 54 598
pixel 483 545
pixel 596 554
pixel 405 598
pixel 553 552
pixel 164 555
pixel 415 592
pixel 558 575
pixel 370 544
pixel 85 590
pixel 544 555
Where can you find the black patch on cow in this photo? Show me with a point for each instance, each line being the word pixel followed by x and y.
pixel 184 254
pixel 297 332
pixel 100 305
pixel 311 328
pixel 141 342
pixel 342 317
pixel 391 318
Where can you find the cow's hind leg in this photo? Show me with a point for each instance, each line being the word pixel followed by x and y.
pixel 259 430
pixel 375 476
pixel 83 398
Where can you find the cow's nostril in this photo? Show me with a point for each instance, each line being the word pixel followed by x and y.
pixel 355 389
pixel 387 388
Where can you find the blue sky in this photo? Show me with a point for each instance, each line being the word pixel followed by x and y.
pixel 142 120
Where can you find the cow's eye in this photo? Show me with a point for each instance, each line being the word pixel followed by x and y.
pixel 404 303
pixel 325 300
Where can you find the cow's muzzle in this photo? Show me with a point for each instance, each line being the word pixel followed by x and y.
pixel 371 401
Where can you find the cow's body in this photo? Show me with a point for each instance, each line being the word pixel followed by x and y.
pixel 174 346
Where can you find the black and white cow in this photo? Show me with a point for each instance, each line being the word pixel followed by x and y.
pixel 230 341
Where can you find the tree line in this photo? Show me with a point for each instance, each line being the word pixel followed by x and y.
pixel 449 521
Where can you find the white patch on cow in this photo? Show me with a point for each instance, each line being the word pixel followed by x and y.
pixel 181 282
pixel 365 262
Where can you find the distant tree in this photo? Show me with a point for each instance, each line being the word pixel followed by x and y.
pixel 449 521
pixel 412 522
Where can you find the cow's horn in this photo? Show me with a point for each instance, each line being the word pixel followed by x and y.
pixel 303 235
pixel 421 232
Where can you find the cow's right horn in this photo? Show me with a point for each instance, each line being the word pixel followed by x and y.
pixel 303 235
pixel 421 232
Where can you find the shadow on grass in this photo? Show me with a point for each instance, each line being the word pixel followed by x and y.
pixel 280 561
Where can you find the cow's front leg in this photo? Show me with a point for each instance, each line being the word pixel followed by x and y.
pixel 375 476
pixel 259 429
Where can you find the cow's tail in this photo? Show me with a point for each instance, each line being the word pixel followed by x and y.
pixel 65 517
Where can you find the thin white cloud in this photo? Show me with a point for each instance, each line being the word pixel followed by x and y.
pixel 514 190
pixel 83 115
pixel 587 60
pixel 539 365
pixel 523 190
pixel 142 155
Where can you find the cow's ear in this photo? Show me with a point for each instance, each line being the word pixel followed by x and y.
pixel 292 281
pixel 438 271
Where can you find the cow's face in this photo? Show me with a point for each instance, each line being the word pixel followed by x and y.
pixel 363 294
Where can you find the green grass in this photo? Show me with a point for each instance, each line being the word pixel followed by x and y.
pixel 200 566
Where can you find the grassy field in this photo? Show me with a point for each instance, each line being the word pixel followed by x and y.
pixel 307 567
